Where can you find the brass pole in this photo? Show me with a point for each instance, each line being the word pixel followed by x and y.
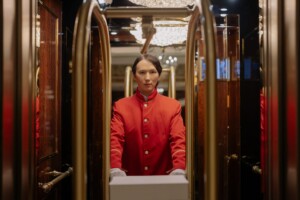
pixel 172 86
pixel 79 104
pixel 148 40
pixel 190 99
pixel 210 148
pixel 127 12
pixel 128 82
pixel 170 82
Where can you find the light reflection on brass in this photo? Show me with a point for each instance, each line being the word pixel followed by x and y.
pixel 172 87
pixel 79 105
pixel 210 135
pixel 128 82
pixel 121 12
pixel 190 99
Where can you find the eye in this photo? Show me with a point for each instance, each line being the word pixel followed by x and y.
pixel 153 72
pixel 142 72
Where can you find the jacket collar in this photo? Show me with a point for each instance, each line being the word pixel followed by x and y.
pixel 141 97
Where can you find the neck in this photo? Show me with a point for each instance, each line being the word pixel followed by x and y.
pixel 145 97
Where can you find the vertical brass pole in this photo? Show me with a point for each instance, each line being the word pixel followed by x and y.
pixel 210 148
pixel 172 86
pixel 128 82
pixel 189 100
pixel 106 106
pixel 79 106
pixel 79 60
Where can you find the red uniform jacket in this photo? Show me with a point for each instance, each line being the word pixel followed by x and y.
pixel 147 137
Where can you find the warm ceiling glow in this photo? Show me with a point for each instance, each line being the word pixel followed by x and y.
pixel 167 33
pixel 163 3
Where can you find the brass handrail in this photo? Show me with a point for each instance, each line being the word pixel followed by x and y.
pixel 82 31
pixel 127 12
pixel 128 91
pixel 47 187
pixel 210 135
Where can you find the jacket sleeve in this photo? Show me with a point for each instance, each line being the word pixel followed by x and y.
pixel 177 140
pixel 116 138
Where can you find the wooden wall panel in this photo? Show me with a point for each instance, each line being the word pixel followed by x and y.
pixel 49 62
pixel 95 107
pixel 222 137
pixel 199 160
pixel 234 147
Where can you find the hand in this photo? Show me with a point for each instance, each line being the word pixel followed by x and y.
pixel 178 172
pixel 116 172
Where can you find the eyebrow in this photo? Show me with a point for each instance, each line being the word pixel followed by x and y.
pixel 145 70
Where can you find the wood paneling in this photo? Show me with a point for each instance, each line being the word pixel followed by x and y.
pixel 222 138
pixel 199 160
pixel 228 131
pixel 234 147
pixel 49 62
pixel 95 142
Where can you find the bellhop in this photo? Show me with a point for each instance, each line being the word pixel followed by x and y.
pixel 156 146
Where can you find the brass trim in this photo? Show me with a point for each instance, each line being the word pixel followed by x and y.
pixel 128 82
pixel 172 87
pixel 210 143
pixel 79 102
pixel 126 12
pixel 190 99
pixel 47 187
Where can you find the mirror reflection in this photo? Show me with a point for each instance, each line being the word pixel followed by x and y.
pixel 147 128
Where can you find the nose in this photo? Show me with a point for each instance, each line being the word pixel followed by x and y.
pixel 147 77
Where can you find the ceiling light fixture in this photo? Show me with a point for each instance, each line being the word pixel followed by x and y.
pixel 113 32
pixel 167 33
pixel 223 9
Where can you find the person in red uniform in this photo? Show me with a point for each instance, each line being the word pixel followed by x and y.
pixel 147 130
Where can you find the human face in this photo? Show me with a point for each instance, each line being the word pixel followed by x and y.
pixel 146 77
